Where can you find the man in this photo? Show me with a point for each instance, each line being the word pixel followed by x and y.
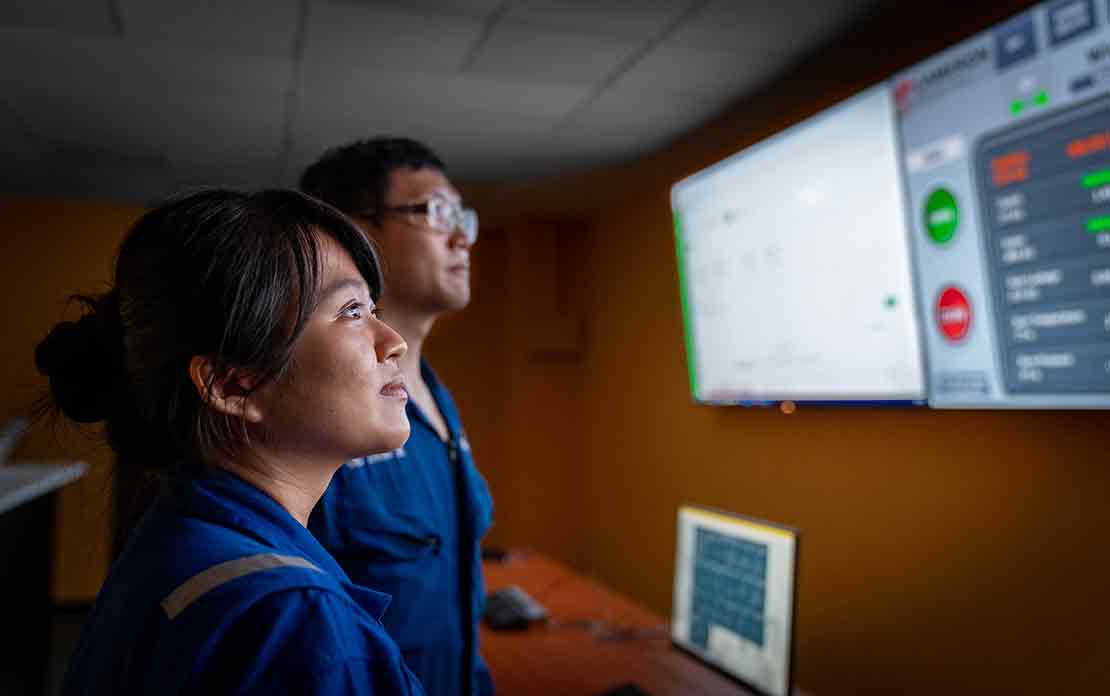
pixel 409 522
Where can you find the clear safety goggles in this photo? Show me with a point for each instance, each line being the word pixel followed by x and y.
pixel 440 214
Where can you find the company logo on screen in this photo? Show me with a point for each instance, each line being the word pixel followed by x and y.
pixel 937 78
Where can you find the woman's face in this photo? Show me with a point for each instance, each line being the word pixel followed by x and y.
pixel 343 395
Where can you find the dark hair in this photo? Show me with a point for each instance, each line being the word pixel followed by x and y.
pixel 218 273
pixel 356 176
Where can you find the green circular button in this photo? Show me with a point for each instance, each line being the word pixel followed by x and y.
pixel 942 215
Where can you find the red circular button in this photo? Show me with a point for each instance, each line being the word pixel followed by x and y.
pixel 953 313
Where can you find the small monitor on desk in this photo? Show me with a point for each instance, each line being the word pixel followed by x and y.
pixel 734 596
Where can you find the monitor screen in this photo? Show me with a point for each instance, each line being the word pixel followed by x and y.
pixel 1005 143
pixel 734 596
pixel 794 266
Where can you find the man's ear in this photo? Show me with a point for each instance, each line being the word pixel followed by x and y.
pixel 228 394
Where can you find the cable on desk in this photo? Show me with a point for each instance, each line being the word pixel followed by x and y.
pixel 607 631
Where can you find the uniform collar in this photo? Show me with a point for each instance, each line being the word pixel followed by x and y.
pixel 225 499
pixel 375 603
pixel 443 401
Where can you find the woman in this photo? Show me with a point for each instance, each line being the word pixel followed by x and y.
pixel 238 361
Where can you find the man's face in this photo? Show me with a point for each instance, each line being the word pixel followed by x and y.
pixel 427 270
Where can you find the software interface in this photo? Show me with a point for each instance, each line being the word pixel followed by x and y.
pixel 734 596
pixel 962 208
pixel 1006 152
pixel 795 265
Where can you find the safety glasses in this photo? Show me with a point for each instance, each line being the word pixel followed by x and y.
pixel 438 213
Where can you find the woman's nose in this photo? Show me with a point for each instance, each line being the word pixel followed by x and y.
pixel 390 344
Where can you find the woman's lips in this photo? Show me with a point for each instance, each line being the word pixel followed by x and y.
pixel 395 389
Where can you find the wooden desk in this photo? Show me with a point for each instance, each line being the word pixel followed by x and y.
pixel 596 640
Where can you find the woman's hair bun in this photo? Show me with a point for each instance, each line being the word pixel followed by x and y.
pixel 82 359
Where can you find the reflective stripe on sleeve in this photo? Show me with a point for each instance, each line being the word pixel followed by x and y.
pixel 207 580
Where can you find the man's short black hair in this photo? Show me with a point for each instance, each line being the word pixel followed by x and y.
pixel 356 176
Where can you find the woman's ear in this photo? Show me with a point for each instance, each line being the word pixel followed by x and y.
pixel 228 394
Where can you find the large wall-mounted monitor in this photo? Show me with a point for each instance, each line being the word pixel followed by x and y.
pixel 794 266
pixel 1006 150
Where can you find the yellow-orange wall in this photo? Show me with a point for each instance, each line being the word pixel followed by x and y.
pixel 941 552
pixel 513 363
pixel 50 249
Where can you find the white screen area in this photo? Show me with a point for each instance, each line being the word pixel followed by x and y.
pixel 795 268
pixel 734 596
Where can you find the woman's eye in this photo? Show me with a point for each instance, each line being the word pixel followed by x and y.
pixel 353 311
pixel 377 313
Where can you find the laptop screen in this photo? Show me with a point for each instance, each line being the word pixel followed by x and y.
pixel 734 596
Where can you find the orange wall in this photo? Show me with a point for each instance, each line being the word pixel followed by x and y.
pixel 513 362
pixel 50 249
pixel 950 552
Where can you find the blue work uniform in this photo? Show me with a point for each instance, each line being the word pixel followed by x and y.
pixel 220 591
pixel 409 523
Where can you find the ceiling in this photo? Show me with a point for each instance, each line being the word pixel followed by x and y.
pixel 130 100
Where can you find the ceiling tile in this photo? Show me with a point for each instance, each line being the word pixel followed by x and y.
pixel 188 97
pixel 248 27
pixel 655 110
pixel 245 174
pixel 182 127
pixel 554 56
pixel 101 107
pixel 22 159
pixel 451 97
pixel 82 17
pixel 715 74
pixel 17 142
pixel 571 148
pixel 317 132
pixel 116 65
pixel 604 143
pixel 462 142
pixel 341 36
pixel 473 8
pixel 754 26
pixel 631 20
